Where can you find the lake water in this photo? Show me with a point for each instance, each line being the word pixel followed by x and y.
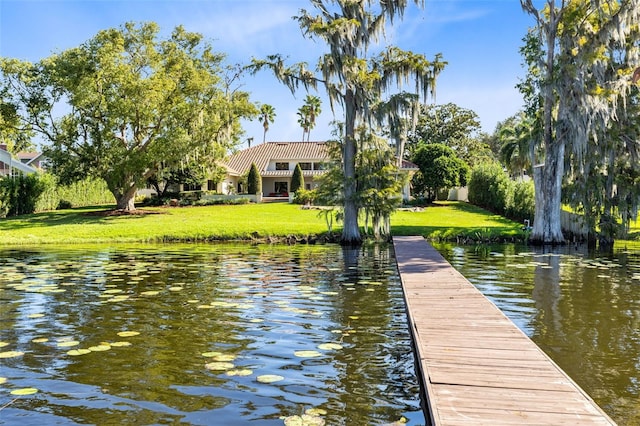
pixel 204 335
pixel 581 308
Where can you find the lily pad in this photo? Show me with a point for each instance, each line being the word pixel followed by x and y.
pixel 176 288
pixel 100 348
pixel 11 354
pixel 224 357
pixel 307 354
pixel 315 412
pixel 3 344
pixel 120 344
pixel 3 380
pixel 269 378
pixel 150 293
pixel 40 340
pixel 24 391
pixel 68 344
pixel 329 346
pixel 211 354
pixel 118 299
pixel 304 420
pixel 239 372
pixel 78 352
pixel 35 315
pixel 128 333
pixel 219 366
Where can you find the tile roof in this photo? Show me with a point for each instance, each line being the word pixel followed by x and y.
pixel 261 154
pixel 408 165
pixel 28 157
pixel 239 163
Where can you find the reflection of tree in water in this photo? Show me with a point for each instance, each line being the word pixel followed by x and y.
pixel 586 316
pixel 546 293
pixel 601 319
pixel 377 343
pixel 161 378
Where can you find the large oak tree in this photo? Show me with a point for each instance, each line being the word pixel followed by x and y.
pixel 127 103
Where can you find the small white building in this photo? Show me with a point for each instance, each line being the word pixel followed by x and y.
pixel 23 162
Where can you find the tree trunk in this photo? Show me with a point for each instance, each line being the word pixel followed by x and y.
pixel 608 222
pixel 125 199
pixel 350 232
pixel 548 183
pixel 547 227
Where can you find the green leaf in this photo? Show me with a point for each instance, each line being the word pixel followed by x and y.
pixel 269 378
pixel 24 391
pixel 11 354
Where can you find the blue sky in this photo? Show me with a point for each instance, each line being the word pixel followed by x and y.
pixel 478 38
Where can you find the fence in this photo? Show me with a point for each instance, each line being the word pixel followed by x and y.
pixel 573 225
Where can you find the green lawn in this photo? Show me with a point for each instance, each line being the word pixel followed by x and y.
pixel 225 222
pixel 447 220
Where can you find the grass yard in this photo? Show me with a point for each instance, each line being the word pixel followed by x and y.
pixel 447 220
pixel 234 222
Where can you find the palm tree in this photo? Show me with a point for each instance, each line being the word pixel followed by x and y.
pixel 518 140
pixel 267 115
pixel 304 120
pixel 313 109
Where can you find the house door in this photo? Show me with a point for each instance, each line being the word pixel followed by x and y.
pixel 281 187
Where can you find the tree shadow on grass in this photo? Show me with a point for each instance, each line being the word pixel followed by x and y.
pixel 77 216
pixel 502 228
pixel 452 232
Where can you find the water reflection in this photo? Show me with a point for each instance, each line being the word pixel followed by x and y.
pixel 251 306
pixel 581 308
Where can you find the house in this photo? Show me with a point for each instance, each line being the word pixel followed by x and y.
pixel 23 162
pixel 276 162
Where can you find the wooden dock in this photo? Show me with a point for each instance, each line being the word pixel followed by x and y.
pixel 476 366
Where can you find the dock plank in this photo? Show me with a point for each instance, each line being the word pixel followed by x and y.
pixel 476 366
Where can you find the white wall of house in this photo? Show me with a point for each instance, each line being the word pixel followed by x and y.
pixel 459 194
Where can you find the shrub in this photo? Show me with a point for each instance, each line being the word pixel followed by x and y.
pixel 87 192
pixel 440 168
pixel 305 196
pixel 297 180
pixel 489 187
pixel 64 204
pixel 19 194
pixel 223 201
pixel 521 202
pixel 254 182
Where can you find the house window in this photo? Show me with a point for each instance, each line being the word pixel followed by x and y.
pixel 191 187
pixel 305 166
pixel 307 186
pixel 211 185
pixel 282 166
pixel 281 187
pixel 318 166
